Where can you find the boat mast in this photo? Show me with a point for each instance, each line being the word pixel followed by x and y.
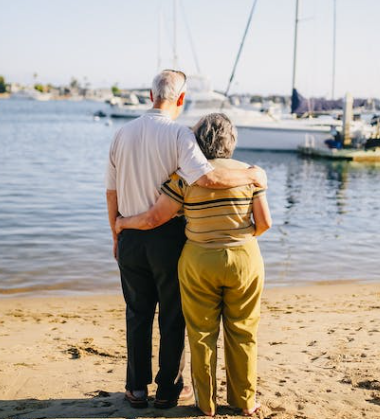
pixel 241 47
pixel 334 54
pixel 195 56
pixel 175 56
pixel 159 40
pixel 295 46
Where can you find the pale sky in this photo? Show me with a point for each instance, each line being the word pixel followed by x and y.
pixel 117 41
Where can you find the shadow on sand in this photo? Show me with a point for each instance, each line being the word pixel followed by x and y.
pixel 111 405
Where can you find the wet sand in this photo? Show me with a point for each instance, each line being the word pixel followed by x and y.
pixel 319 352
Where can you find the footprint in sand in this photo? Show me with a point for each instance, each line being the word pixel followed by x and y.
pixel 375 399
pixel 369 385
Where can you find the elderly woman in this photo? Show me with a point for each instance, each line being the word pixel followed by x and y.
pixel 221 271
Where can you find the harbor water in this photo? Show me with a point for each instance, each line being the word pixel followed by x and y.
pixel 54 233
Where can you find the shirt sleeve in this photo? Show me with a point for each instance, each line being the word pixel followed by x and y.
pixel 257 192
pixel 191 161
pixel 174 188
pixel 111 167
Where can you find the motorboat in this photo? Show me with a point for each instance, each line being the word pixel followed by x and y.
pixel 131 105
pixel 30 94
pixel 256 130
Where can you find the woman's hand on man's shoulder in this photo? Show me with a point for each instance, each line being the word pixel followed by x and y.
pixel 259 177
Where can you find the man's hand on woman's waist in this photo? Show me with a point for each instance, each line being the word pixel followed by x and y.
pixel 231 178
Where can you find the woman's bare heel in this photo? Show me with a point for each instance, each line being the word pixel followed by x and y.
pixel 251 412
pixel 205 412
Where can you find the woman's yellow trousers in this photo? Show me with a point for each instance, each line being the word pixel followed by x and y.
pixel 222 283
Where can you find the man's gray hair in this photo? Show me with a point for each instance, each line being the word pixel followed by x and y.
pixel 216 136
pixel 168 85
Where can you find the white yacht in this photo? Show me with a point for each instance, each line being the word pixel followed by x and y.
pixel 30 94
pixel 129 106
pixel 256 130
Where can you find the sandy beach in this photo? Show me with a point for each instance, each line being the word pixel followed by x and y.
pixel 319 351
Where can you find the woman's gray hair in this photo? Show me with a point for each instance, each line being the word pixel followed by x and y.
pixel 216 136
pixel 168 85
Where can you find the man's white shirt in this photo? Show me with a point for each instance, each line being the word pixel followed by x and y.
pixel 144 153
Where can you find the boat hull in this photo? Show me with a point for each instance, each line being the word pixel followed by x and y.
pixel 279 139
pixel 257 135
pixel 269 134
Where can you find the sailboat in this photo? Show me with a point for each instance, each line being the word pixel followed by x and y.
pixel 256 130
pixel 287 132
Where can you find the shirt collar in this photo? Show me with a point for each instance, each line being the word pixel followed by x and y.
pixel 156 111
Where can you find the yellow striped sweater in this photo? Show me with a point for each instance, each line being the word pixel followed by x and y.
pixel 221 217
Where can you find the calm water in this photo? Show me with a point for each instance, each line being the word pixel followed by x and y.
pixel 54 234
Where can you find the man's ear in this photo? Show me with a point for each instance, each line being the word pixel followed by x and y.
pixel 151 95
pixel 181 99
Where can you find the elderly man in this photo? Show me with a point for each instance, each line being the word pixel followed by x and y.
pixel 143 154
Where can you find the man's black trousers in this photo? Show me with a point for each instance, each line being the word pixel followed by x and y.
pixel 148 266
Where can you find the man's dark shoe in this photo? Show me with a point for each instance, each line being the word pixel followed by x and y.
pixel 137 402
pixel 165 404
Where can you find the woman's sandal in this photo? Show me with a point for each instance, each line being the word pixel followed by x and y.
pixel 251 412
pixel 136 402
pixel 186 394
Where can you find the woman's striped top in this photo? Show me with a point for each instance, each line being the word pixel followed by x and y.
pixel 215 216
